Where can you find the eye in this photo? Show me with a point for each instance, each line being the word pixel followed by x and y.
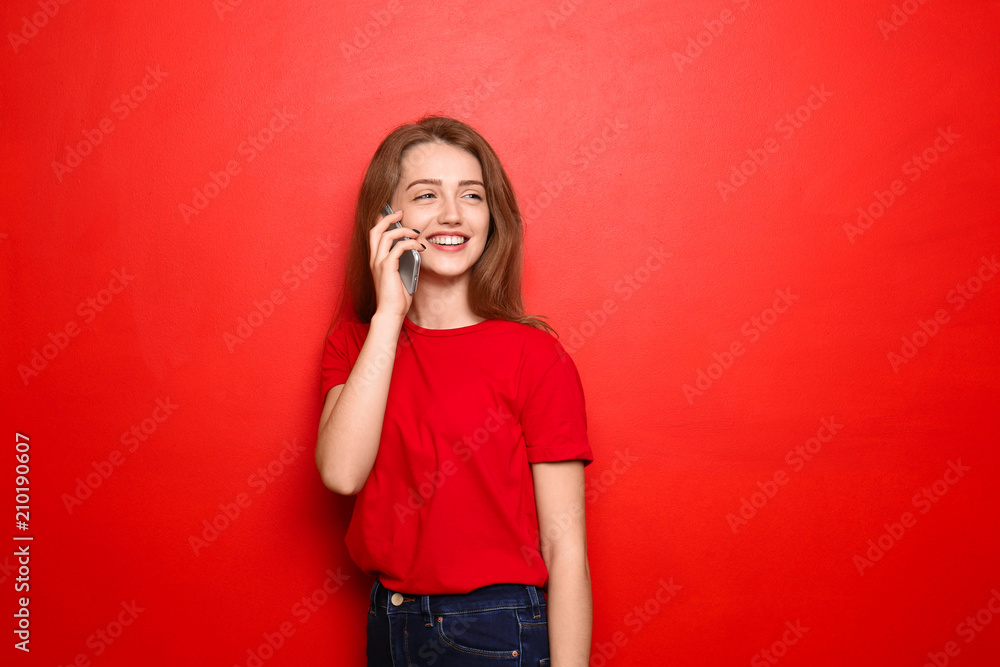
pixel 429 194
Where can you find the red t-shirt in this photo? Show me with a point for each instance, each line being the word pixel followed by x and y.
pixel 449 505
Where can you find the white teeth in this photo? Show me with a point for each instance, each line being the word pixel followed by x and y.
pixel 448 240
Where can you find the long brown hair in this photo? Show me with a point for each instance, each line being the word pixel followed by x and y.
pixel 495 281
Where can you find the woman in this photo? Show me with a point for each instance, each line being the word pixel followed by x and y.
pixel 458 421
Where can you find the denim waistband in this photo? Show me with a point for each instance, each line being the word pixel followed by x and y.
pixel 495 596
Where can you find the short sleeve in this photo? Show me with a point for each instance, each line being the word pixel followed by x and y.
pixel 337 359
pixel 554 415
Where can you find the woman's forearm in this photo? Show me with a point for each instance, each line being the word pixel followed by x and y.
pixel 570 611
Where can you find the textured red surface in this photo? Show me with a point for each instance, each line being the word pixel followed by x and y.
pixel 621 124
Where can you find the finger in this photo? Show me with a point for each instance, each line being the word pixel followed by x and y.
pixel 392 258
pixel 377 234
pixel 385 244
pixel 386 220
pixel 405 245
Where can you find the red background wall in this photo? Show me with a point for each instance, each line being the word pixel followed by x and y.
pixel 617 122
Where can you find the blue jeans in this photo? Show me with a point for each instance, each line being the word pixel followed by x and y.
pixel 503 625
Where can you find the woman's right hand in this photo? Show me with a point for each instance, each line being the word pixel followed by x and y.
pixel 391 297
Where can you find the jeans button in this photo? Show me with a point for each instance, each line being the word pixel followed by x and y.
pixel 397 599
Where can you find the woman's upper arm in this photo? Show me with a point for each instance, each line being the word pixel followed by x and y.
pixel 331 400
pixel 561 506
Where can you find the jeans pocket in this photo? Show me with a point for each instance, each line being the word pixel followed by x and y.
pixel 487 634
pixel 534 637
pixel 378 639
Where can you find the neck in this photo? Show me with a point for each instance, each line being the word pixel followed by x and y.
pixel 442 303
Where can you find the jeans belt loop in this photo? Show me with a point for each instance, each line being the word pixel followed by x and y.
pixel 533 594
pixel 425 603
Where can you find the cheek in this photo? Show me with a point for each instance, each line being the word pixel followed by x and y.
pixel 483 244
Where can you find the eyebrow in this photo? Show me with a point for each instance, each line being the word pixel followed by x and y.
pixel 437 181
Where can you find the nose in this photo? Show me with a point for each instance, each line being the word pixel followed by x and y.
pixel 449 211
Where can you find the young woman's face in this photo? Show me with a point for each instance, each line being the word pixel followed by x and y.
pixel 442 196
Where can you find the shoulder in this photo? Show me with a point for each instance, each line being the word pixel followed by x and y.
pixel 538 351
pixel 349 329
pixel 531 338
pixel 347 335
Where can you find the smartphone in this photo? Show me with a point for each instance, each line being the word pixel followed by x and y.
pixel 409 262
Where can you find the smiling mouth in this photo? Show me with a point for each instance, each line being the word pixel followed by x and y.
pixel 448 241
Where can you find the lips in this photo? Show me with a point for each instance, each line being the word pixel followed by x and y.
pixel 449 248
